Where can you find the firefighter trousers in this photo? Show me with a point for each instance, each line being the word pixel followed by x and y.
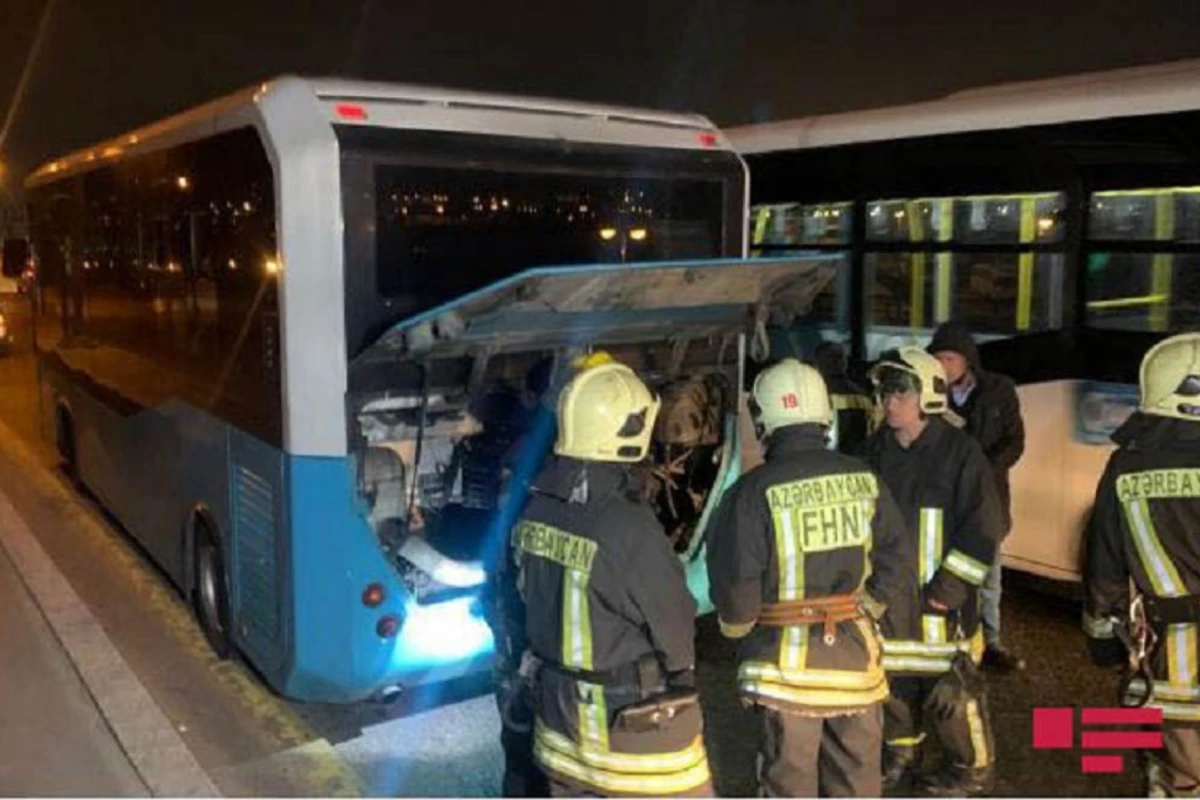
pixel 522 776
pixel 1174 771
pixel 801 756
pixel 965 738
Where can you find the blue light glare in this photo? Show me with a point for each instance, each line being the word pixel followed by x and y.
pixel 439 634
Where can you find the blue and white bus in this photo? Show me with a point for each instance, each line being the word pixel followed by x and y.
pixel 290 329
pixel 1059 218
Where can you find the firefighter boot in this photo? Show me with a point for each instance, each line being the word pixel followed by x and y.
pixel 953 780
pixel 899 765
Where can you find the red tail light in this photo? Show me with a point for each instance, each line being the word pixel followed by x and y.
pixel 373 595
pixel 350 111
pixel 387 627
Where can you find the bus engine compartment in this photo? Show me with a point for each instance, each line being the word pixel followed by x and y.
pixel 434 460
pixel 442 407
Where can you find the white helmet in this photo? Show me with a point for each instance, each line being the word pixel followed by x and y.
pixel 605 413
pixel 791 393
pixel 1170 378
pixel 912 369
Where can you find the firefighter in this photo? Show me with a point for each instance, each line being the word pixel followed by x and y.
pixel 807 552
pixel 1144 526
pixel 944 487
pixel 609 618
pixel 855 410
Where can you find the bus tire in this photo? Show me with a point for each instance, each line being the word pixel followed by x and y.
pixel 65 439
pixel 210 595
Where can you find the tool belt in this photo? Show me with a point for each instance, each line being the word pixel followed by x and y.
pixel 826 611
pixel 1164 611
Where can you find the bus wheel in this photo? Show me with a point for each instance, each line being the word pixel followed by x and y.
pixel 211 592
pixel 67 454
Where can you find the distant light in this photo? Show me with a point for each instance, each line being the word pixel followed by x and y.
pixel 608 234
pixel 247 207
pixel 134 139
pixel 707 139
pixel 504 202
pixel 182 182
pixel 441 209
pixel 638 234
pixel 271 266
pixel 350 111
pixel 1045 223
pixel 172 267
pixel 232 264
pixel 109 152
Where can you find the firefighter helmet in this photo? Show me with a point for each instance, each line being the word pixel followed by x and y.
pixel 791 393
pixel 1170 378
pixel 606 413
pixel 912 369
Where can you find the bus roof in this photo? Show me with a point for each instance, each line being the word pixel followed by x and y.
pixel 1130 92
pixel 391 103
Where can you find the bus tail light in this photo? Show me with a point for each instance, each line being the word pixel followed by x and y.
pixel 373 595
pixel 387 627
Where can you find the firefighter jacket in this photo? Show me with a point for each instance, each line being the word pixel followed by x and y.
pixel 857 414
pixel 610 618
pixel 807 524
pixel 947 495
pixel 1144 527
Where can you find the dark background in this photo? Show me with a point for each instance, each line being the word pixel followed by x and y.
pixel 105 66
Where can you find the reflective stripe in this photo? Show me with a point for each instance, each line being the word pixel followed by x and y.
pixel 793 639
pixel 1168 691
pixel 811 678
pixel 915 664
pixel 1181 654
pixel 628 773
pixel 935 628
pixel 978 735
pixel 910 647
pixel 930 521
pixel 1099 627
pixel 1177 702
pixel 593 717
pixel 905 741
pixel 906 655
pixel 817 697
pixel 969 569
pixel 1163 575
pixel 576 620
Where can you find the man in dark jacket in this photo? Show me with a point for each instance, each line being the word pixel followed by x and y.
pixel 609 619
pixel 855 410
pixel 1143 528
pixel 806 553
pixel 988 403
pixel 944 488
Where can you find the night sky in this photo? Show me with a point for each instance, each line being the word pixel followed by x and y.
pixel 109 65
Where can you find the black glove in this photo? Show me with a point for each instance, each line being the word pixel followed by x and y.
pixel 963 683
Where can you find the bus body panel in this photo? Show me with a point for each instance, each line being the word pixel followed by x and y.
pixel 298 549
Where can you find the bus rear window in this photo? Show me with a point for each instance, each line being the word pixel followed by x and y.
pixel 441 232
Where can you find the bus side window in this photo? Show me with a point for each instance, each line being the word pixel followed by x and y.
pixel 1129 286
